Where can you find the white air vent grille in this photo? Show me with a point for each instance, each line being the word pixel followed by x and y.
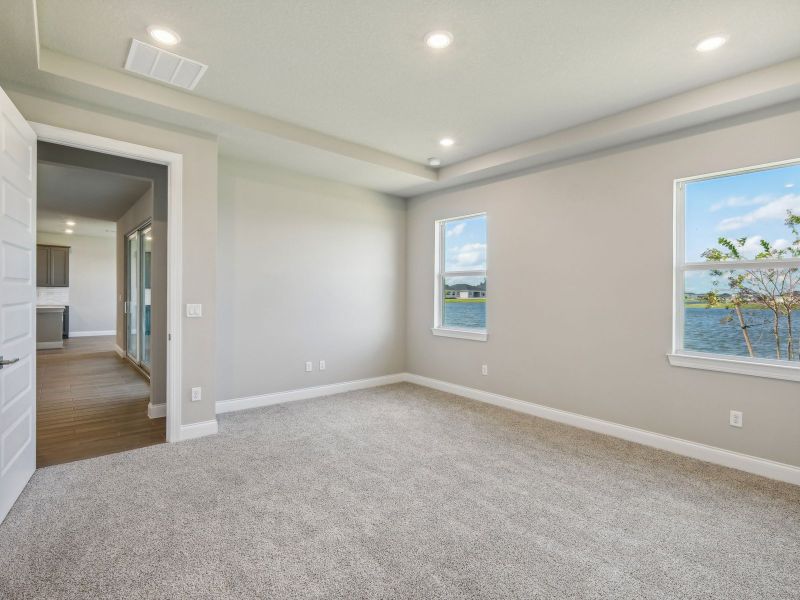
pixel 147 60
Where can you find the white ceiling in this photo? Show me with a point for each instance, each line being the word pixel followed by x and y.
pixel 94 199
pixel 52 221
pixel 517 69
pixel 373 100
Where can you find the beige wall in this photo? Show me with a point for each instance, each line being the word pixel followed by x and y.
pixel 92 280
pixel 564 244
pixel 199 227
pixel 308 270
pixel 314 270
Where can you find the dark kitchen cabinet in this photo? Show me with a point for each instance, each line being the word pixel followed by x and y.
pixel 42 266
pixel 52 266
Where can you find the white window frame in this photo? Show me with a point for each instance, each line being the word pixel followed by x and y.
pixel 743 365
pixel 479 335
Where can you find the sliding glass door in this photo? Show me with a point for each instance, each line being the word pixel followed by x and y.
pixel 138 301
pixel 146 260
pixel 132 301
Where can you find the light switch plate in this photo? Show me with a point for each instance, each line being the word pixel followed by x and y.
pixel 194 310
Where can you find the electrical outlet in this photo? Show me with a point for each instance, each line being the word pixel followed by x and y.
pixel 197 394
pixel 322 365
pixel 309 366
pixel 736 419
pixel 484 369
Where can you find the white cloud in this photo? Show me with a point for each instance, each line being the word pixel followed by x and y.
pixel 789 185
pixel 467 257
pixel 456 230
pixel 781 244
pixel 752 246
pixel 773 211
pixel 472 247
pixel 735 201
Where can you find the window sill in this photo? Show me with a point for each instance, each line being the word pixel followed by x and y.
pixel 477 335
pixel 771 369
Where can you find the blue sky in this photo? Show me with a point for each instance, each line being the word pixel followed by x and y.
pixel 465 246
pixel 751 205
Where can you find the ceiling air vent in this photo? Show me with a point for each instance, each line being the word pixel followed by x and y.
pixel 147 60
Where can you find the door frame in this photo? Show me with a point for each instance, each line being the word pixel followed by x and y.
pixel 174 164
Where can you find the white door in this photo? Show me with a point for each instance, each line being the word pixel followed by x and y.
pixel 17 303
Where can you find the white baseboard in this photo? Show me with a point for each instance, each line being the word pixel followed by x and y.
pixel 224 406
pixel 91 333
pixel 119 351
pixel 712 454
pixel 156 411
pixel 196 430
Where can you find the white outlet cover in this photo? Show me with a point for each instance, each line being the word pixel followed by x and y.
pixel 197 394
pixel 485 369
pixel 737 418
pixel 309 366
pixel 322 365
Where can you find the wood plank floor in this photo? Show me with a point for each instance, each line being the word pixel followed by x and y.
pixel 90 402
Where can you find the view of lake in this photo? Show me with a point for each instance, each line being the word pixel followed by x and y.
pixel 465 315
pixel 708 330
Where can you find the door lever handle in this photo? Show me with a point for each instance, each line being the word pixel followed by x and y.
pixel 9 361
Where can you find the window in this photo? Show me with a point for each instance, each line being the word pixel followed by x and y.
pixel 737 272
pixel 460 286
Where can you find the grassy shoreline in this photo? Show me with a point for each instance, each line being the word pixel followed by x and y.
pixel 724 306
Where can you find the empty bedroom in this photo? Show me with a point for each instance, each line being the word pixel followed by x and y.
pixel 433 299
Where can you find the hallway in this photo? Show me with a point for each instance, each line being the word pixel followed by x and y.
pixel 90 402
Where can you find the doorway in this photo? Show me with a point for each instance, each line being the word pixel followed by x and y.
pixel 171 240
pixel 92 399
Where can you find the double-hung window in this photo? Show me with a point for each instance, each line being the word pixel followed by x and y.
pixel 460 280
pixel 737 271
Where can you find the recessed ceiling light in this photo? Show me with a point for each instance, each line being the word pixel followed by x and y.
pixel 438 39
pixel 434 162
pixel 712 43
pixel 446 142
pixel 163 35
pixel 68 231
pixel 70 223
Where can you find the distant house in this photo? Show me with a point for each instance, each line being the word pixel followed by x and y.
pixel 464 291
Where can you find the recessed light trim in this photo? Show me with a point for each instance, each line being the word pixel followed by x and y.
pixel 446 142
pixel 70 223
pixel 68 231
pixel 434 162
pixel 163 35
pixel 711 43
pixel 438 40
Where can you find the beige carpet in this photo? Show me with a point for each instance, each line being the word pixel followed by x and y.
pixel 400 492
